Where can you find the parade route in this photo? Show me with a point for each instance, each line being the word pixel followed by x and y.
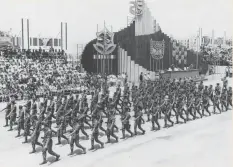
pixel 203 142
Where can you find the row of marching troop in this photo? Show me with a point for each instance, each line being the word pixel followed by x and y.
pixel 64 116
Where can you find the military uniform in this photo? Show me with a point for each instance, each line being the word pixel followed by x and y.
pixel 75 139
pixel 47 145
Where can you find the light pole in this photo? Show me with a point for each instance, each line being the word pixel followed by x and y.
pixel 198 35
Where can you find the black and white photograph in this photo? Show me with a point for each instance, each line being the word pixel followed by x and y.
pixel 116 83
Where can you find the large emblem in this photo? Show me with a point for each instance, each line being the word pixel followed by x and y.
pixel 157 49
pixel 44 41
pixel 136 7
pixel 105 42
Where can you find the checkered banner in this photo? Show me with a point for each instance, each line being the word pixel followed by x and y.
pixel 157 49
pixel 179 53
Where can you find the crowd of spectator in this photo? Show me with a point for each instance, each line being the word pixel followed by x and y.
pixel 24 75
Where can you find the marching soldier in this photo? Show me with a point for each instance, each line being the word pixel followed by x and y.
pixel 205 105
pixel 95 134
pixel 167 112
pixel 229 97
pixel 12 115
pixel 217 103
pixel 35 136
pixel 190 107
pixel 155 109
pixel 125 122
pixel 180 108
pixel 197 104
pixel 75 138
pixel 61 129
pixel 20 120
pixel 27 125
pixel 223 99
pixel 110 125
pixel 47 145
pixel 7 112
pixel 138 121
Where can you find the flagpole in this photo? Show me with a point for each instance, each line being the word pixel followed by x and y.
pixel 22 35
pixel 97 55
pixel 103 64
pixel 28 33
pixel 150 55
pixel 153 66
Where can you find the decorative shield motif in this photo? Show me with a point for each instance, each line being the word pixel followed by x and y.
pixel 136 7
pixel 105 42
pixel 157 49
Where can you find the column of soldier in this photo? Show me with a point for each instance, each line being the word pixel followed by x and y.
pixel 161 99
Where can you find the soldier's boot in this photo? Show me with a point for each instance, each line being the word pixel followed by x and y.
pixel 84 151
pixel 71 150
pixel 177 119
pixel 92 145
pixel 108 136
pixel 148 118
pixel 131 133
pixel 6 122
pixel 44 158
pixel 116 138
pixel 11 125
pixel 57 157
pixel 59 141
pixel 33 149
pixel 165 122
pixel 203 113
pixel 18 135
pixel 123 134
pixel 26 140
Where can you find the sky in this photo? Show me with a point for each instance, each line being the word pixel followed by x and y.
pixel 179 18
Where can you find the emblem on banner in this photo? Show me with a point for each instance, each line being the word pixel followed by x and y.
pixel 105 42
pixel 136 7
pixel 157 49
pixel 45 41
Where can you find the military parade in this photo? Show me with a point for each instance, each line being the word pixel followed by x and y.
pixel 44 120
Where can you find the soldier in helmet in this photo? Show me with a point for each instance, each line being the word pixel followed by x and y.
pixel 180 106
pixel 12 115
pixel 216 103
pixel 205 104
pixel 155 110
pixel 138 120
pixel 223 99
pixel 8 110
pixel 125 117
pixel 229 97
pixel 110 124
pixel 20 120
pixel 75 137
pixel 95 134
pixel 61 130
pixel 35 135
pixel 47 145
pixel 167 112
pixel 190 107
pixel 210 93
